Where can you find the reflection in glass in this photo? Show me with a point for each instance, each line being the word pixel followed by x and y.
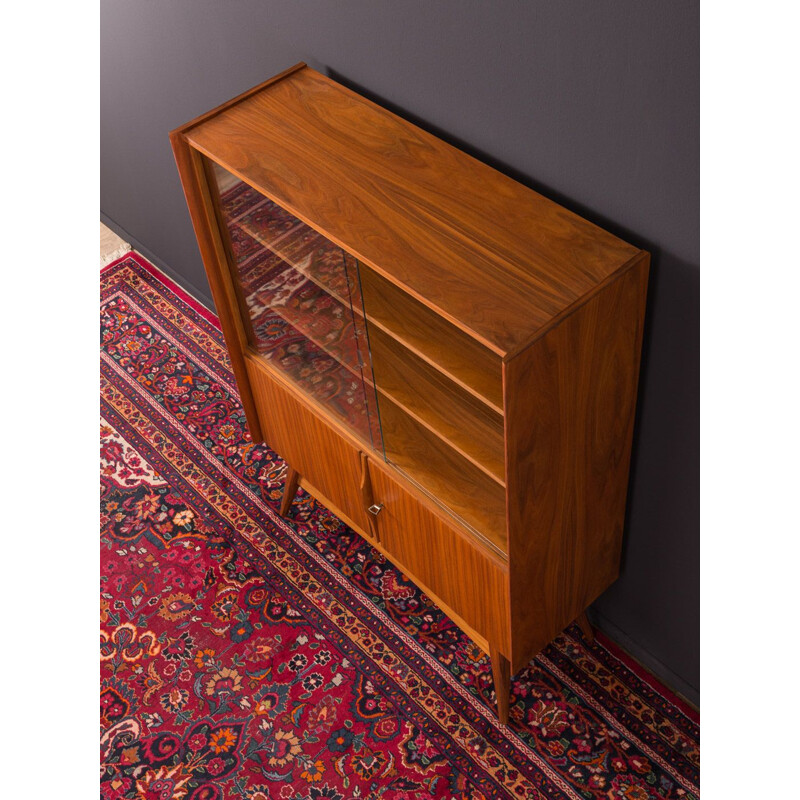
pixel 302 302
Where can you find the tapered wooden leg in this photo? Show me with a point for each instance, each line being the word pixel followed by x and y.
pixel 289 490
pixel 588 631
pixel 501 670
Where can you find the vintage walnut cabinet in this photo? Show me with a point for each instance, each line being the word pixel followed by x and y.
pixel 445 358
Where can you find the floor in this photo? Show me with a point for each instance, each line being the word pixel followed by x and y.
pixel 111 245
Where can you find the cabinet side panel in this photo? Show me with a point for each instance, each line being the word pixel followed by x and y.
pixel 312 447
pixel 570 403
pixel 198 199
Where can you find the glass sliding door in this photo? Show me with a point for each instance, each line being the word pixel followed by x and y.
pixel 300 301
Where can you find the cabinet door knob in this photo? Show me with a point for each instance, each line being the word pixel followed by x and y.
pixel 375 509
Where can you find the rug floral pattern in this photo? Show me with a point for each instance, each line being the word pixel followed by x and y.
pixel 246 656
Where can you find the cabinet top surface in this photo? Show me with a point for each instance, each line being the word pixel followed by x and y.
pixel 494 257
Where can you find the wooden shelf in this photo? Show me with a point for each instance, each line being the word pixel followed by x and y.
pixel 450 412
pixel 450 479
pixel 464 360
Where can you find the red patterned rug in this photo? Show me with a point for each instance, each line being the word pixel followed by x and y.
pixel 247 656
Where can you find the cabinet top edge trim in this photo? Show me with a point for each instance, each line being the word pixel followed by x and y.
pixel 182 130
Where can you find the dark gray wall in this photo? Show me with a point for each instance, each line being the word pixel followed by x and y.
pixel 596 105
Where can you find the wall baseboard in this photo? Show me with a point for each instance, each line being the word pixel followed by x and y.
pixel 659 670
pixel 204 298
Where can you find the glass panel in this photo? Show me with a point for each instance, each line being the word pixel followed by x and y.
pixel 301 301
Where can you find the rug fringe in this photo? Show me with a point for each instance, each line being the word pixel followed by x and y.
pixel 113 256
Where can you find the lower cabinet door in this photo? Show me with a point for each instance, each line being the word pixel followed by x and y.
pixel 471 583
pixel 329 465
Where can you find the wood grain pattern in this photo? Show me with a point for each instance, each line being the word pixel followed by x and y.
pixel 212 251
pixel 493 257
pixel 569 414
pixel 315 449
pixel 466 578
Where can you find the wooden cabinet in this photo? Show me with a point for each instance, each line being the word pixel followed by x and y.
pixel 445 358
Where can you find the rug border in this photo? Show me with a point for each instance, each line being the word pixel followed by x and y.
pixel 647 677
pixel 206 313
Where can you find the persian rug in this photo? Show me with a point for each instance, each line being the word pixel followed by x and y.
pixel 248 656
